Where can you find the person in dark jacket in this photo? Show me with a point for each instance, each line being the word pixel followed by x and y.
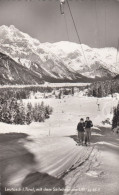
pixel 88 125
pixel 80 129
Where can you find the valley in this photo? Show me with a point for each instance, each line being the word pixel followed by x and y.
pixel 54 62
pixel 45 88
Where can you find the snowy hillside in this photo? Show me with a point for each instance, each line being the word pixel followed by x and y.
pixel 13 73
pixel 61 61
pixel 97 59
pixel 35 56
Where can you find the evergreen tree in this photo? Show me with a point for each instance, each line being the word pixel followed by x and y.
pixel 29 113
pixel 14 111
pixel 115 120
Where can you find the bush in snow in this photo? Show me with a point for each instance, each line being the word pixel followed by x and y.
pixel 40 112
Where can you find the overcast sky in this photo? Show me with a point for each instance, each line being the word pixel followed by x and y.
pixel 97 20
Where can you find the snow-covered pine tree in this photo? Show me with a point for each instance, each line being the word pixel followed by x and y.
pixel 19 117
pixel 41 112
pixel 29 113
pixel 35 113
pixel 115 120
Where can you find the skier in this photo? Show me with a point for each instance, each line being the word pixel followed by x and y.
pixel 88 125
pixel 80 129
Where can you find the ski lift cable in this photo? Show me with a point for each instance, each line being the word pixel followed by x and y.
pixel 76 31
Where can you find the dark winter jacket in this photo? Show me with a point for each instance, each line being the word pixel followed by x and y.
pixel 80 127
pixel 88 124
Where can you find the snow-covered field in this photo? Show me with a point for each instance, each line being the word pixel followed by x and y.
pixel 46 84
pixel 55 151
pixel 66 114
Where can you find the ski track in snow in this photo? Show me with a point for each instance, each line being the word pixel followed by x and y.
pixel 58 154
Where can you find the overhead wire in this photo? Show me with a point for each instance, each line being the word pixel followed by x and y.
pixel 76 31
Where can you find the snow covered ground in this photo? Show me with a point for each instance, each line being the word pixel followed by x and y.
pixel 55 151
pixel 46 84
pixel 66 114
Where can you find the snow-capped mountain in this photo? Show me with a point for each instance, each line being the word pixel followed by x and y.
pixel 62 61
pixel 13 73
pixel 94 62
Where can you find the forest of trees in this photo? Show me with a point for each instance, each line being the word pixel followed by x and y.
pixel 22 93
pixel 103 89
pixel 25 92
pixel 13 110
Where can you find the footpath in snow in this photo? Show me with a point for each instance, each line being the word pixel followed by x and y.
pixel 53 143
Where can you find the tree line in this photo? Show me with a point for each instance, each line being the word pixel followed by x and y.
pixel 103 88
pixel 22 93
pixel 14 111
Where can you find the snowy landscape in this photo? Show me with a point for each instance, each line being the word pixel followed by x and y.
pixel 52 62
pixel 59 97
pixel 45 89
pixel 53 144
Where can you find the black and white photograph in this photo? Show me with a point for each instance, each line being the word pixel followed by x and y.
pixel 59 97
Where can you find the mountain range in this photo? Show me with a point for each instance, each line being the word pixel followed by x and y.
pixel 13 73
pixel 51 62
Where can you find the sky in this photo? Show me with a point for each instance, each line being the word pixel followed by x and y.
pixel 97 21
